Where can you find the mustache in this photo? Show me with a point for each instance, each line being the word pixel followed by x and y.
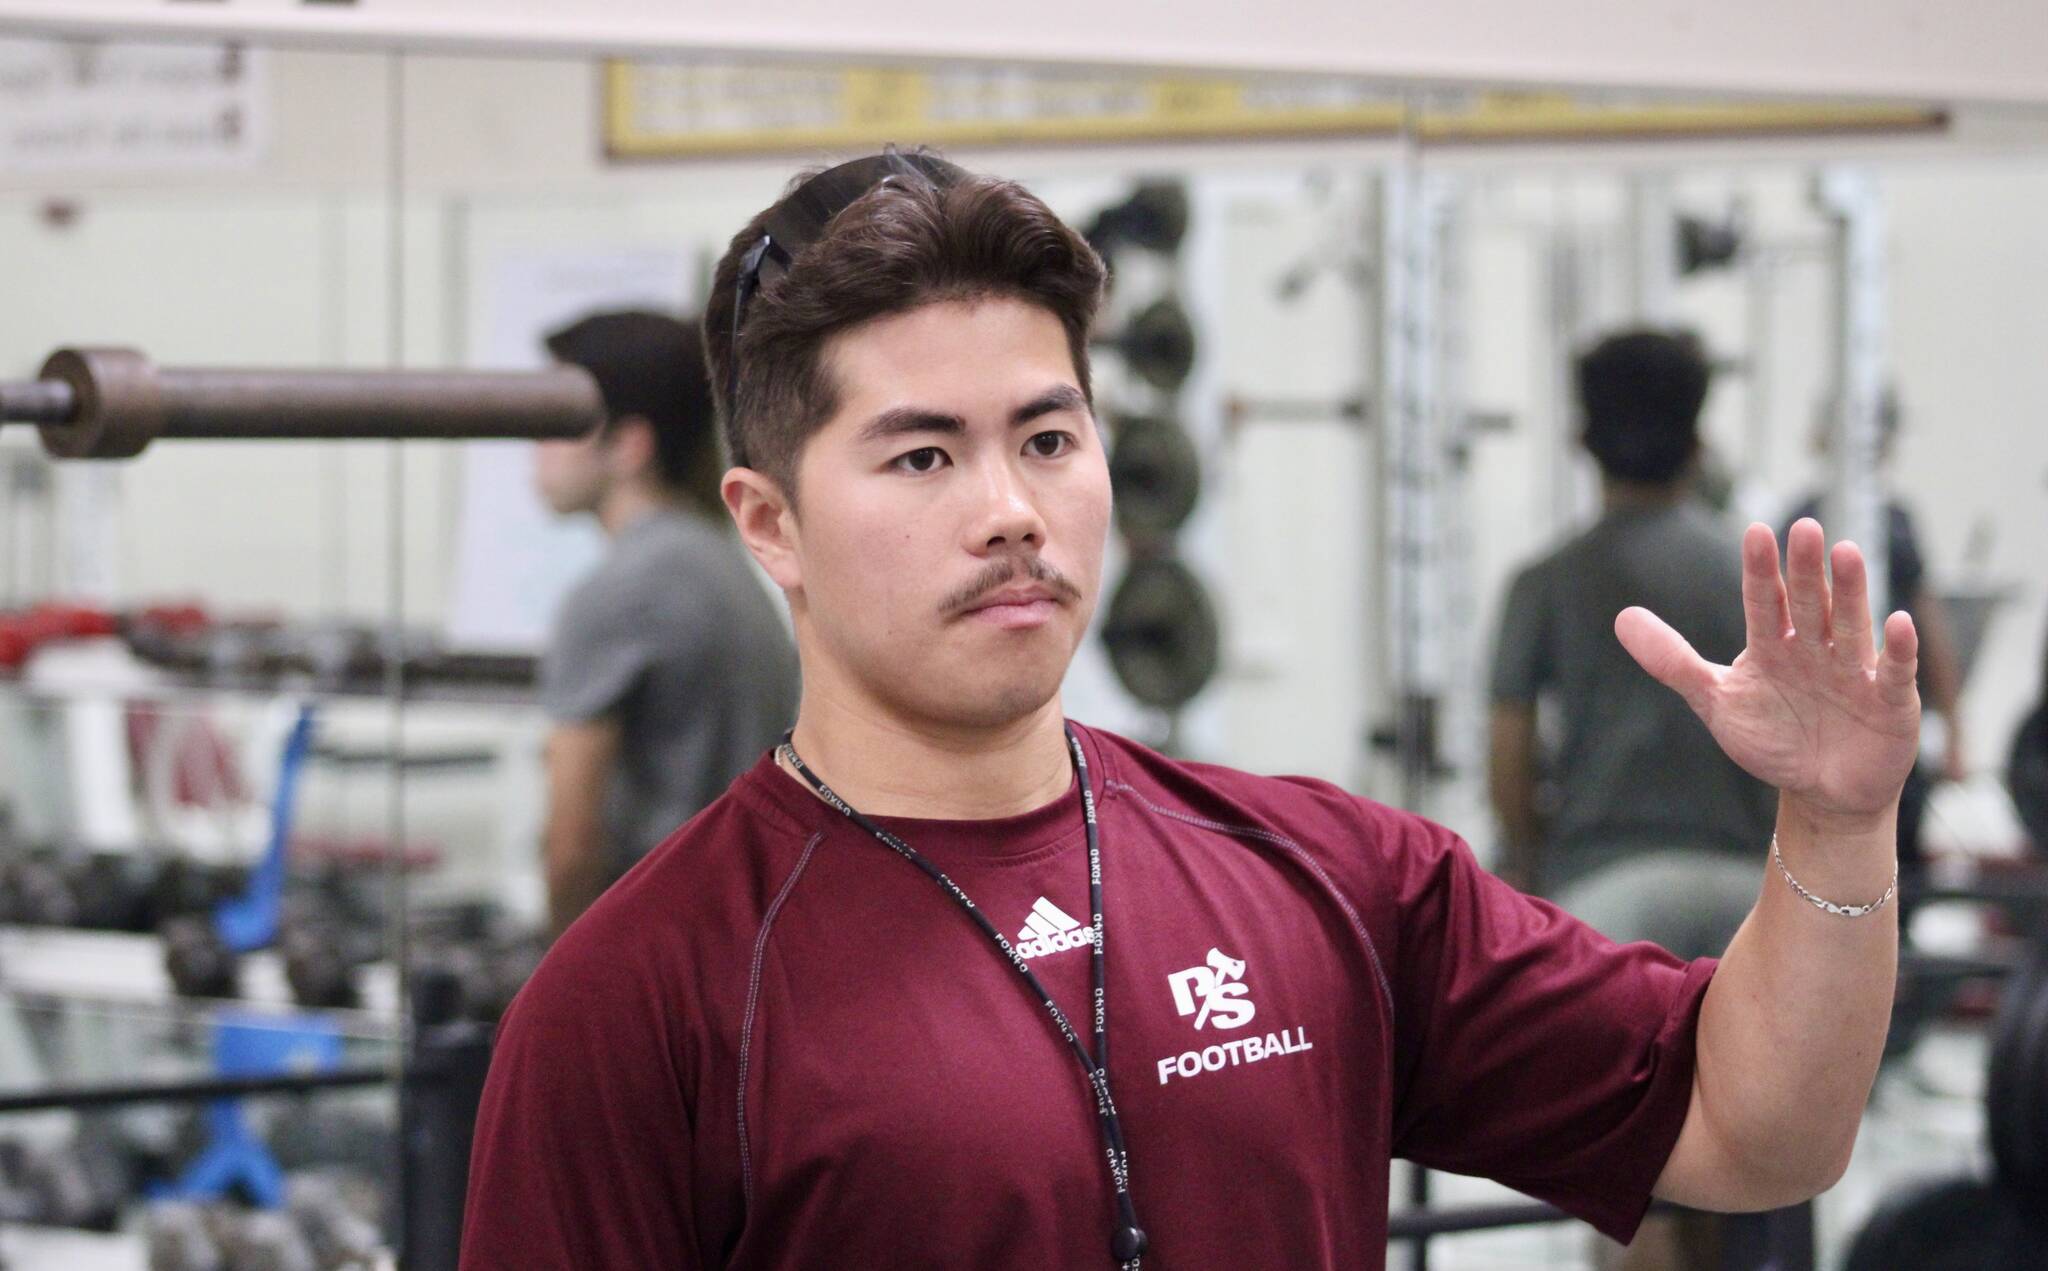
pixel 998 573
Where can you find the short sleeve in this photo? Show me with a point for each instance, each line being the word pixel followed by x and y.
pixel 598 654
pixel 583 1141
pixel 1521 659
pixel 1529 1048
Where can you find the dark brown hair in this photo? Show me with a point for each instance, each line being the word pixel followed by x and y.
pixel 1641 392
pixel 904 244
pixel 652 365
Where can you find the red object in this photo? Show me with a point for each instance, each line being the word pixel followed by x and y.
pixel 775 1043
pixel 21 634
pixel 16 643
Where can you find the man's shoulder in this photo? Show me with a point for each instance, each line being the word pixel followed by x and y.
pixel 1685 534
pixel 698 896
pixel 1308 813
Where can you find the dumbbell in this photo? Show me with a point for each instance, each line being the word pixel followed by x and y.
pixel 471 981
pixel 267 1240
pixel 35 891
pixel 199 962
pixel 80 1183
pixel 319 965
pixel 179 1237
pixel 331 1214
pixel 181 886
pixel 113 891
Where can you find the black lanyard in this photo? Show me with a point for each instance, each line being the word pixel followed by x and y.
pixel 1127 1243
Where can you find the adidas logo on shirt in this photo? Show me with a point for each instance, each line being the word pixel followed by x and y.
pixel 1050 930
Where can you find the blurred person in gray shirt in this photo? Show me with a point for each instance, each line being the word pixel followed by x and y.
pixel 668 671
pixel 1637 823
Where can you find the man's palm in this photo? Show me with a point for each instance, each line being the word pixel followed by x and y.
pixel 1810 707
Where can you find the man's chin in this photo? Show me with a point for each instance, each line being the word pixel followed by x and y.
pixel 988 706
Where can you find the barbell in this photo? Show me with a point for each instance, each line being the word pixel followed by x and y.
pixel 111 403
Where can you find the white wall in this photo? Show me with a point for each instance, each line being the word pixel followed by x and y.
pixel 1971 49
pixel 292 259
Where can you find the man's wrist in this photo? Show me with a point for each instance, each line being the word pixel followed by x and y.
pixel 1848 859
pixel 1801 821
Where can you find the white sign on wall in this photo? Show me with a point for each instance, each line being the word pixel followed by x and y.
pixel 91 105
pixel 515 558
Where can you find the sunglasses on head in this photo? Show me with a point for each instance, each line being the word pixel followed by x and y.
pixel 800 220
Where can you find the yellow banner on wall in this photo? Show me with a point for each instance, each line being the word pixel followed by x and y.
pixel 683 110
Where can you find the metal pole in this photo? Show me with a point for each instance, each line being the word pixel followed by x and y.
pixel 1853 505
pixel 1759 279
pixel 1416 211
pixel 438 1123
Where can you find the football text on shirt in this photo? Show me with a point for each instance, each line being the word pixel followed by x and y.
pixel 1215 993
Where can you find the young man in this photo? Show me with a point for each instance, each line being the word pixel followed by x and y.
pixel 668 672
pixel 809 1030
pixel 1652 830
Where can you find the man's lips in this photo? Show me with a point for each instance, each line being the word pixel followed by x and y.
pixel 1021 597
pixel 1015 608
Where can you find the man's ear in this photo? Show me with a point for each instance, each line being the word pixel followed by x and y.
pixel 766 522
pixel 629 447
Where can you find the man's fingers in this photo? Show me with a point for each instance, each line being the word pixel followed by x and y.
pixel 1763 589
pixel 1898 667
pixel 1666 656
pixel 1851 611
pixel 1806 583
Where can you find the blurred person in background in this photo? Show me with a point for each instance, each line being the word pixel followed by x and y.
pixel 1647 830
pixel 668 671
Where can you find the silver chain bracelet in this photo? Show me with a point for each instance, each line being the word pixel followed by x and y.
pixel 1829 906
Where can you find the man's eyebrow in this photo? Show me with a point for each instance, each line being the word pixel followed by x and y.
pixel 1053 400
pixel 899 420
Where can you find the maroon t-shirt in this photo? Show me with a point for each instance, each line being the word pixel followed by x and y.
pixel 775 1043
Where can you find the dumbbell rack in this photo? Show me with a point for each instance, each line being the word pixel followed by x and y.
pixel 120 968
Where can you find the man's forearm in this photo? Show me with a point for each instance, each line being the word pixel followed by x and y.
pixel 1511 783
pixel 1521 844
pixel 1794 1023
pixel 575 871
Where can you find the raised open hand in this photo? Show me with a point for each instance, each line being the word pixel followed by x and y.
pixel 1811 706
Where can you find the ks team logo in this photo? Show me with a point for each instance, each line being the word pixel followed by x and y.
pixel 1214 992
pixel 1050 930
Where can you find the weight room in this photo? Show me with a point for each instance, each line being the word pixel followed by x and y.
pixel 274 743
